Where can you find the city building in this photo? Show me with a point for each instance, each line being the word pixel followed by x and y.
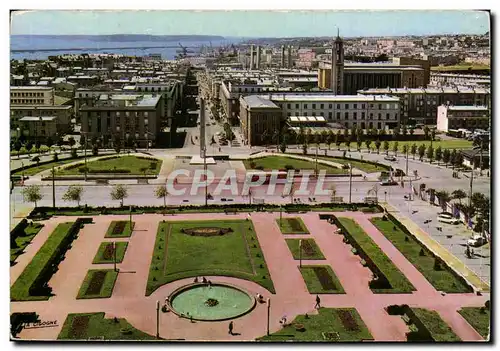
pixel 380 112
pixel 123 116
pixel 62 113
pixel 41 128
pixel 31 95
pixel 467 117
pixel 420 105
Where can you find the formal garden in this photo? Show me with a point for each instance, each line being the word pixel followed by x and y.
pixel 128 164
pixel 189 247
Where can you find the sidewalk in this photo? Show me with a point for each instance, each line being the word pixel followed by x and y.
pixel 440 251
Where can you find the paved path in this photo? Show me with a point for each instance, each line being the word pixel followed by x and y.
pixel 291 298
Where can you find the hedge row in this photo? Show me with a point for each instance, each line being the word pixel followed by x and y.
pixel 405 230
pixel 45 211
pixel 364 161
pixel 17 232
pixel 32 284
pixel 387 277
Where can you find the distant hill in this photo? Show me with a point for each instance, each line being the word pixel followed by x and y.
pixel 127 37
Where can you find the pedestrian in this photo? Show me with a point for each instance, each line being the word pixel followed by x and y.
pixel 204 280
pixel 209 284
pixel 196 279
pixel 231 326
pixel 318 302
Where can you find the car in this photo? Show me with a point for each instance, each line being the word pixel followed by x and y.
pixel 477 240
pixel 390 158
pixel 446 217
pixel 388 182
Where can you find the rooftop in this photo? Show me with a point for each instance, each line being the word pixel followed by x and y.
pixel 37 119
pixel 329 97
pixel 32 88
pixel 468 108
pixel 306 119
pixel 256 101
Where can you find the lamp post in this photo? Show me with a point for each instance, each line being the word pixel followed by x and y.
pixel 268 313
pixel 281 215
pixel 300 253
pixel 407 160
pixel 350 182
pixel 22 173
pixel 114 256
pixel 130 218
pixel 317 161
pixel 53 188
pixel 385 196
pixel 157 319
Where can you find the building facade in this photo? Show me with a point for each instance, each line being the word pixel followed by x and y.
pixel 31 95
pixel 260 118
pixel 466 117
pixel 62 113
pixel 123 116
pixel 420 105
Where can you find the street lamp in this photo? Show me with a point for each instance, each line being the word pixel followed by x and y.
pixel 268 313
pixel 350 182
pixel 114 255
pixel 300 253
pixel 157 319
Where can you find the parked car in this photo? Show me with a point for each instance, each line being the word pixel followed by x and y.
pixel 477 240
pixel 446 217
pixel 388 182
pixel 390 158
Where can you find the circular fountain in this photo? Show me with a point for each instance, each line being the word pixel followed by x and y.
pixel 217 302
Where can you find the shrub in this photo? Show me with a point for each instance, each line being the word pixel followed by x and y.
pixel 74 153
pixel 422 252
pixel 487 304
pixel 437 264
pixel 55 158
pixel 252 164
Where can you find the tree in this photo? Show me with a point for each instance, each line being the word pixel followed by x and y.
pixel 405 149
pixel 29 146
pixel 368 143
pixel 304 149
pixel 433 134
pixel 395 133
pixel 439 154
pixel 119 192
pixel 444 198
pixel 161 192
pixel 347 143
pixel 453 157
pixel 459 195
pixel 459 159
pixel 283 144
pixel 377 145
pixel 426 132
pixel 324 136
pixel 317 139
pixel 430 153
pixel 359 142
pixel 95 150
pixel 386 147
pixel 337 140
pixel 37 145
pixel 412 131
pixel 421 151
pixel 17 146
pixel 404 131
pixel 446 157
pixel 32 193
pixel 72 141
pixel 329 138
pixel 346 134
pixel 74 193
pixel 413 150
pixel 395 147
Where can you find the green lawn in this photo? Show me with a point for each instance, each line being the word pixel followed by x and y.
pixel 127 231
pixel 314 254
pixel 396 279
pixel 106 289
pixel 361 165
pixel 37 169
pixel 235 254
pixel 328 320
pixel 19 291
pixel 94 325
pixel 445 144
pixel 442 280
pixel 293 225
pixel 25 240
pixel 438 328
pixel 270 163
pixel 477 319
pixel 100 256
pixel 123 164
pixel 313 281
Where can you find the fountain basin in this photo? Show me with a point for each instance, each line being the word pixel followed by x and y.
pixel 216 303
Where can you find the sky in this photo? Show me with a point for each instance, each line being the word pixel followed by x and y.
pixel 251 23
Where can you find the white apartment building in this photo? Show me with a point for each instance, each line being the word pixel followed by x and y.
pixel 362 111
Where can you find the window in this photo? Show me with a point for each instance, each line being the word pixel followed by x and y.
pixel 108 121
pixel 371 115
pixel 289 114
pixel 362 115
pixel 288 106
pixel 305 114
pixel 296 105
pixel 347 106
pixel 330 115
pixel 338 115
pixel 330 105
pixel 314 114
pixel 321 106
pixel 354 115
pixel 338 106
pixel 305 105
pixel 109 114
pixel 379 125
pixel 379 106
pixel 387 116
pixel 379 116
pixel 314 106
pixel 355 106
pixel 346 115
pixel 395 116
pixel 296 114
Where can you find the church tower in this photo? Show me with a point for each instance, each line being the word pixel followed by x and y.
pixel 337 75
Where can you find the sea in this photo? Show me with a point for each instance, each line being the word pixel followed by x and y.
pixel 40 48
